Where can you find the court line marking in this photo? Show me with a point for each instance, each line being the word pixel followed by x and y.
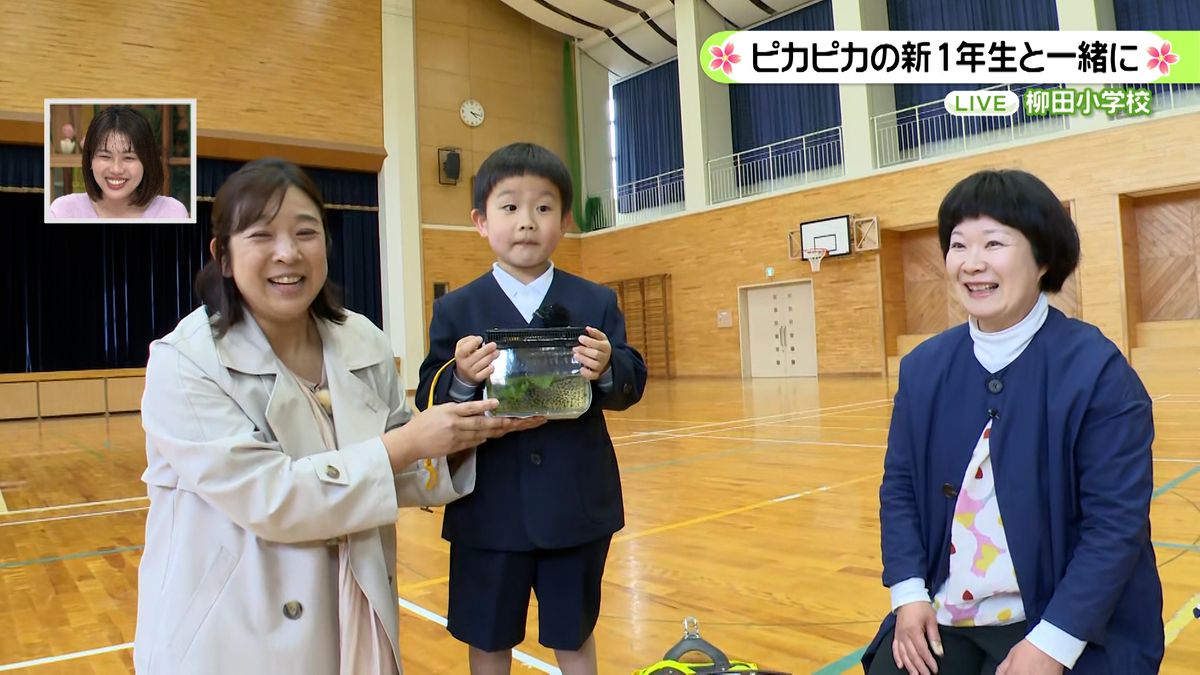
pixel 1182 619
pixel 65 657
pixel 650 419
pixel 78 505
pixel 1176 546
pixel 70 556
pixel 3 506
pixel 753 419
pixel 76 516
pixel 1175 482
pixel 781 440
pixel 520 656
pixel 656 436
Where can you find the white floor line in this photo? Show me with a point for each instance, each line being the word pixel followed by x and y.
pixel 755 419
pixel 788 441
pixel 78 505
pixel 655 436
pixel 65 657
pixel 72 517
pixel 518 655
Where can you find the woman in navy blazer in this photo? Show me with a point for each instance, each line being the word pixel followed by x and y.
pixel 1015 504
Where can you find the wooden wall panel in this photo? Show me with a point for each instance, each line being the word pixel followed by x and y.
pixel 645 304
pixel 925 288
pixel 485 50
pixel 1132 268
pixel 71 397
pixel 895 308
pixel 18 399
pixel 283 68
pixel 1168 249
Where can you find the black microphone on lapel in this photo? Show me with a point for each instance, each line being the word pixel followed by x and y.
pixel 554 316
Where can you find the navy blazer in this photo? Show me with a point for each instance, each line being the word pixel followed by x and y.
pixel 1070 449
pixel 555 486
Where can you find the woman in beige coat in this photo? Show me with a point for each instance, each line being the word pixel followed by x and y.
pixel 279 446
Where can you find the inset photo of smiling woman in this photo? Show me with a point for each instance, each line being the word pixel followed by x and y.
pixel 116 160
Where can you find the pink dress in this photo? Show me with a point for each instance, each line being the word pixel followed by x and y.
pixel 365 647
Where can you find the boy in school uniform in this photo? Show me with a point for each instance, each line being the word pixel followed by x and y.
pixel 547 500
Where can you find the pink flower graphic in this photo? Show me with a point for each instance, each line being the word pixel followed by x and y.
pixel 1162 58
pixel 723 59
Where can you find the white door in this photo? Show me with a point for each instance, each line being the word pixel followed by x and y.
pixel 799 330
pixel 766 333
pixel 782 331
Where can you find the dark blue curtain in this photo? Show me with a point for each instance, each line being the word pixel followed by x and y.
pixel 81 296
pixel 1157 14
pixel 963 15
pixel 21 166
pixel 337 187
pixel 959 15
pixel 761 114
pixel 84 296
pixel 649 135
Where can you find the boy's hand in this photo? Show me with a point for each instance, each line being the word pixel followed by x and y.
pixel 594 353
pixel 473 359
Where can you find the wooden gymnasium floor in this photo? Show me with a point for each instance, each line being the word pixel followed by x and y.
pixel 751 505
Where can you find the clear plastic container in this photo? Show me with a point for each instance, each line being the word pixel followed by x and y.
pixel 536 375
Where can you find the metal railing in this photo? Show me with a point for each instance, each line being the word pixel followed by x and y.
pixel 929 130
pixel 785 164
pixel 638 201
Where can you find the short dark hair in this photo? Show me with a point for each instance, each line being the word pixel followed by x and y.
pixel 522 159
pixel 253 193
pixel 1021 201
pixel 127 122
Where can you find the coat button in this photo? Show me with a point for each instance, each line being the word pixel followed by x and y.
pixel 995 385
pixel 332 472
pixel 536 458
pixel 293 609
pixel 949 490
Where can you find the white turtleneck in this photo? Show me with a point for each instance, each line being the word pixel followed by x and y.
pixel 995 351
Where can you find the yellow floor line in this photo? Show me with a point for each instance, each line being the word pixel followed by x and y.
pixel 1182 618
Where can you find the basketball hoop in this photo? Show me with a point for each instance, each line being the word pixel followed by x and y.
pixel 814 256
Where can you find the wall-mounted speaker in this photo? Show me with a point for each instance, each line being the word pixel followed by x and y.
pixel 449 166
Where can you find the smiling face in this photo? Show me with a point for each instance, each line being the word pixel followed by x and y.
pixel 523 222
pixel 117 168
pixel 279 262
pixel 994 273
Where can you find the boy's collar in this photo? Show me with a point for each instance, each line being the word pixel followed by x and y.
pixel 503 275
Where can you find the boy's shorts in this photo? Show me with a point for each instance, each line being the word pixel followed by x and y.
pixel 489 594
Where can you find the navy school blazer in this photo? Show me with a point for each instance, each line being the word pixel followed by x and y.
pixel 1070 448
pixel 555 486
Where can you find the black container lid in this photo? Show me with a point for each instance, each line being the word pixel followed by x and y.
pixel 512 338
